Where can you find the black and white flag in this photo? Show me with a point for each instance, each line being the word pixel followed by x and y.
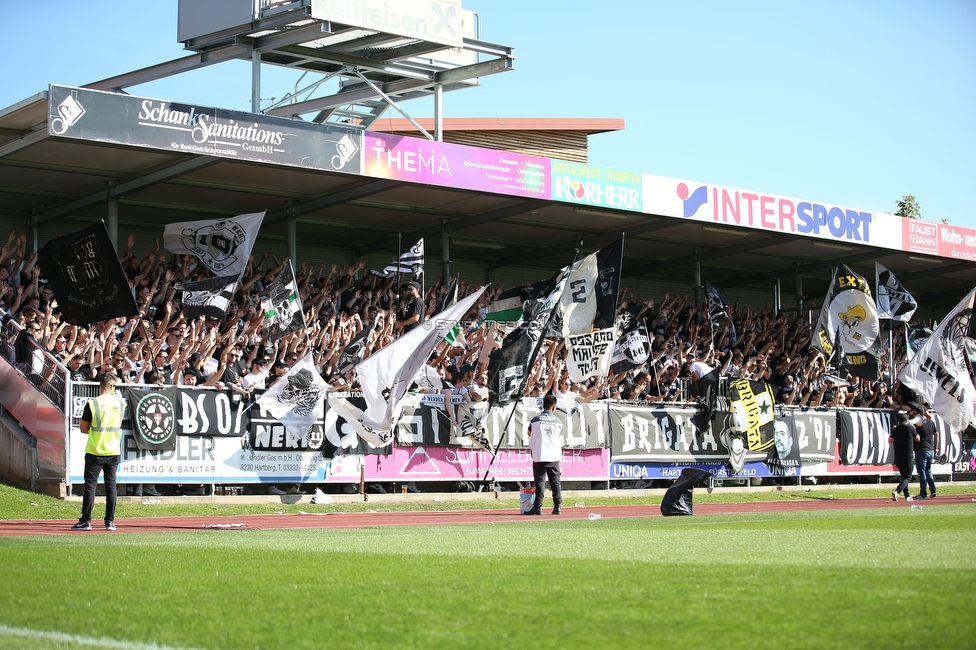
pixel 222 245
pixel 509 365
pixel 355 350
pixel 894 301
pixel 410 263
pixel 210 297
pixel 283 309
pixel 938 372
pixel 633 348
pixel 718 308
pixel 293 399
pixel 86 276
pixel 590 299
pixel 386 374
pixel 848 325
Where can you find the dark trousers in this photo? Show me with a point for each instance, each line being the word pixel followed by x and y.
pixel 539 473
pixel 923 465
pixel 905 470
pixel 93 466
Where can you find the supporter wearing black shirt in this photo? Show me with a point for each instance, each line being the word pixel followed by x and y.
pixel 413 313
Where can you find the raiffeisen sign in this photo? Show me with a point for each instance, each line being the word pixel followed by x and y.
pixel 732 206
pixel 437 21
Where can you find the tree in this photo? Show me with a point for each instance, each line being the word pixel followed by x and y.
pixel 908 207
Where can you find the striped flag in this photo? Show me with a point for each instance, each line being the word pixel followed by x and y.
pixel 410 263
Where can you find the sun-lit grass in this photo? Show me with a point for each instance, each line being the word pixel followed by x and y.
pixel 16 503
pixel 837 579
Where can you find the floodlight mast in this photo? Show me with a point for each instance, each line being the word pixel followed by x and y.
pixel 378 58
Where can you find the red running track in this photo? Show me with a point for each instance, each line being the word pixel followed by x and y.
pixel 378 518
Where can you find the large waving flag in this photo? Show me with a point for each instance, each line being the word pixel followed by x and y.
pixel 223 245
pixel 509 365
pixel 938 371
pixel 86 276
pixel 590 299
pixel 294 398
pixel 283 309
pixel 894 301
pixel 355 350
pixel 848 325
pixel 386 375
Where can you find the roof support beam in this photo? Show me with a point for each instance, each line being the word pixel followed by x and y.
pixel 713 253
pixel 152 178
pixel 22 143
pixel 331 200
pixel 597 241
pixel 454 226
pixel 790 271
pixel 170 68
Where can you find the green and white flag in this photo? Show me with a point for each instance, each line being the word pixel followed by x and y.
pixel 283 309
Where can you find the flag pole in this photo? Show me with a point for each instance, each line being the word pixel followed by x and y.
pixel 532 357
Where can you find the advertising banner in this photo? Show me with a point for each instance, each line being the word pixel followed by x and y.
pixel 453 464
pixel 655 471
pixel 437 21
pixel 453 165
pixel 731 206
pixel 159 124
pixel 598 186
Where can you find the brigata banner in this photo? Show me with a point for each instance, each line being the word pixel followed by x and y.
pixel 159 124
pixel 454 165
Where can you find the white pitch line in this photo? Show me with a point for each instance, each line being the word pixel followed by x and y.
pixel 75 639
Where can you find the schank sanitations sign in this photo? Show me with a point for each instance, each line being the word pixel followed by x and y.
pixel 185 128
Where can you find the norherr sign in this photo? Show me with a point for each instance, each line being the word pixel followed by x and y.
pixel 436 21
pixel 159 124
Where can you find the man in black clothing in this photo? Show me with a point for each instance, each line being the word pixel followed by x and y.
pixel 413 313
pixel 903 437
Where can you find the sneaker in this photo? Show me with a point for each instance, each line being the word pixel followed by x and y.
pixel 109 525
pixel 557 511
pixel 909 499
pixel 150 491
pixel 82 526
pixel 533 512
pixel 277 491
pixel 932 496
pixel 921 496
pixel 894 495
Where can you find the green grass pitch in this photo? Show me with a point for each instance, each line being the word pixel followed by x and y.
pixel 886 578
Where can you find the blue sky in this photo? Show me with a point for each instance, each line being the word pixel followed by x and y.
pixel 851 103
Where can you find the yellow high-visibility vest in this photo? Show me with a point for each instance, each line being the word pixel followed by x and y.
pixel 106 426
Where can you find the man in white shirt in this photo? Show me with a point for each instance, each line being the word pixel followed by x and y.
pixel 256 378
pixel 545 443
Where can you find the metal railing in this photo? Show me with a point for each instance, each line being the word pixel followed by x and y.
pixel 34 362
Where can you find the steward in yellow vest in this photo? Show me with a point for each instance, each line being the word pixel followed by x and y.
pixel 102 421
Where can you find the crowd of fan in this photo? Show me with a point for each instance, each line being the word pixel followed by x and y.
pixel 164 347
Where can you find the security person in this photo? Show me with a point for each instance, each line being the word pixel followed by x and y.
pixel 545 443
pixel 102 421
